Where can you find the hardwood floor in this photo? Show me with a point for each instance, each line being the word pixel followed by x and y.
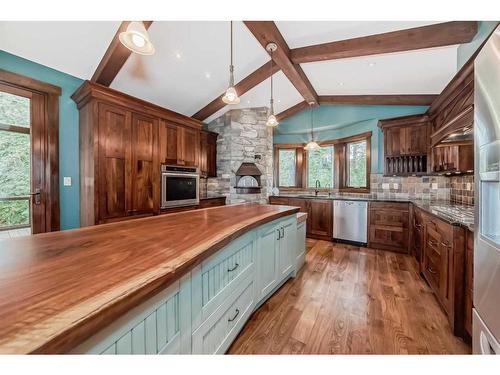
pixel 350 300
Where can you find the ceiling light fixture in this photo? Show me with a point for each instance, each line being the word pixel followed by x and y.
pixel 231 96
pixel 136 38
pixel 311 145
pixel 272 121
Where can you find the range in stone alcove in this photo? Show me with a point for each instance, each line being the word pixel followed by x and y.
pixel 248 179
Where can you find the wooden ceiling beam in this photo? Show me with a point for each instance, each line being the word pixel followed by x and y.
pixel 114 58
pixel 292 110
pixel 247 83
pixel 437 35
pixel 267 32
pixel 419 99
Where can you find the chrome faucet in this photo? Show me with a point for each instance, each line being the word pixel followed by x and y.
pixel 318 185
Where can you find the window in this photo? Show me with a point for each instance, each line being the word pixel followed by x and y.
pixel 356 164
pixel 320 167
pixel 286 165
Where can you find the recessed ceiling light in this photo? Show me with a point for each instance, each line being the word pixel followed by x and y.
pixel 279 100
pixel 371 64
pixel 207 75
pixel 248 101
pixel 178 55
pixel 341 83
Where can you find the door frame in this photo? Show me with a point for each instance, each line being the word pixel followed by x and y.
pixel 47 122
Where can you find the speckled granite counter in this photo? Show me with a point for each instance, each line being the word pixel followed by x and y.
pixel 455 214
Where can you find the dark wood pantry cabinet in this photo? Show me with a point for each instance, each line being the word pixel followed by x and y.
pixel 123 142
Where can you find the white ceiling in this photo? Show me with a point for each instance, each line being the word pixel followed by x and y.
pixel 180 83
pixel 74 47
pixel 416 72
pixel 190 66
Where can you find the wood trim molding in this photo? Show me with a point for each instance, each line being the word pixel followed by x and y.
pixel 403 120
pixel 90 90
pixel 114 58
pixel 266 32
pixel 352 138
pixel 437 35
pixel 259 75
pixel 403 99
pixel 14 79
pixel 292 110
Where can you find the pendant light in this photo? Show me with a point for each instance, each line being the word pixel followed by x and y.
pixel 136 39
pixel 311 145
pixel 272 121
pixel 231 96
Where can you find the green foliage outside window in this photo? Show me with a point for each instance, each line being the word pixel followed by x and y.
pixel 356 153
pixel 286 170
pixel 320 167
pixel 14 160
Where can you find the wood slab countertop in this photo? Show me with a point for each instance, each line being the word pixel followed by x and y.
pixel 57 289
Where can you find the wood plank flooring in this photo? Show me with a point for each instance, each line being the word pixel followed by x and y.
pixel 350 300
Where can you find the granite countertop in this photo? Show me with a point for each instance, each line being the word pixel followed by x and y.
pixel 453 213
pixel 214 197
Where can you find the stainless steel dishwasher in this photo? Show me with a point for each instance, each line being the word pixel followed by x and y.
pixel 350 221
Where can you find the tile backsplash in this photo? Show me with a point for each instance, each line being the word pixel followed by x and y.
pixel 462 189
pixel 427 187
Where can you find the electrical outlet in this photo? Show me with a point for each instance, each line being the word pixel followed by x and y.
pixel 385 186
pixel 434 186
pixel 67 181
pixel 395 186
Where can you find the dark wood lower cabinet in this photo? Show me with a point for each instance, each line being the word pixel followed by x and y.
pixel 469 281
pixel 204 203
pixel 388 226
pixel 319 214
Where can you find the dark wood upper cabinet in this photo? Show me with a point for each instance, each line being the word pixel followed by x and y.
pixel 208 154
pixel 123 141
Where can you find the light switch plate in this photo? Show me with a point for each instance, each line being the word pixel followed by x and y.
pixel 67 181
pixel 434 186
pixel 385 186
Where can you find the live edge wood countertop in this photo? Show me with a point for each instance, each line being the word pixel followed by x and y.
pixel 57 289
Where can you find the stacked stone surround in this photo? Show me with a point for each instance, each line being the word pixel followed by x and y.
pixel 243 135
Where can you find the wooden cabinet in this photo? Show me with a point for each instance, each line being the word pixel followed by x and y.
pixel 208 154
pixel 319 214
pixel 406 145
pixel 469 281
pixel 123 141
pixel 416 233
pixel 388 226
pixel 453 158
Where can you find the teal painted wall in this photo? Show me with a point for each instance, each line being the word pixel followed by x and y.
pixel 68 131
pixel 339 121
pixel 466 50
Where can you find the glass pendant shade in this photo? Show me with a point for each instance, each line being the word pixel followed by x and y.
pixel 272 121
pixel 231 96
pixel 136 39
pixel 312 145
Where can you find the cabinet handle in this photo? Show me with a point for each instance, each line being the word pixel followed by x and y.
pixel 282 232
pixel 279 234
pixel 432 243
pixel 418 226
pixel 235 315
pixel 431 270
pixel 445 244
pixel 232 269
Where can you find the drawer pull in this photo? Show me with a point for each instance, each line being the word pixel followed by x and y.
pixel 433 243
pixel 232 269
pixel 431 270
pixel 445 244
pixel 235 315
pixel 282 232
pixel 418 225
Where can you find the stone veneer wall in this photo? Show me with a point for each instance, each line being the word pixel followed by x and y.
pixel 243 134
pixel 462 189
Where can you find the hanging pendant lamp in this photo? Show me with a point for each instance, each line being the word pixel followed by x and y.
pixel 231 96
pixel 311 145
pixel 272 121
pixel 136 39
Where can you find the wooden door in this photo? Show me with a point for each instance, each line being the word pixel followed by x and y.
pixel 145 167
pixel 320 218
pixel 188 145
pixel 168 143
pixel 114 166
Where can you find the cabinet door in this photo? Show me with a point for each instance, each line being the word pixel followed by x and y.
pixel 392 140
pixel 299 202
pixel 320 218
pixel 145 165
pixel 188 145
pixel 287 247
pixel 417 139
pixel 211 155
pixel 114 158
pixel 267 260
pixel 168 143
pixel 203 164
pixel 418 233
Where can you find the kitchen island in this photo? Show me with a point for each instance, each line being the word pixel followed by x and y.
pixel 58 290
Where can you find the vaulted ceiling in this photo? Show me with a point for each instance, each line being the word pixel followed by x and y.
pixel 190 67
